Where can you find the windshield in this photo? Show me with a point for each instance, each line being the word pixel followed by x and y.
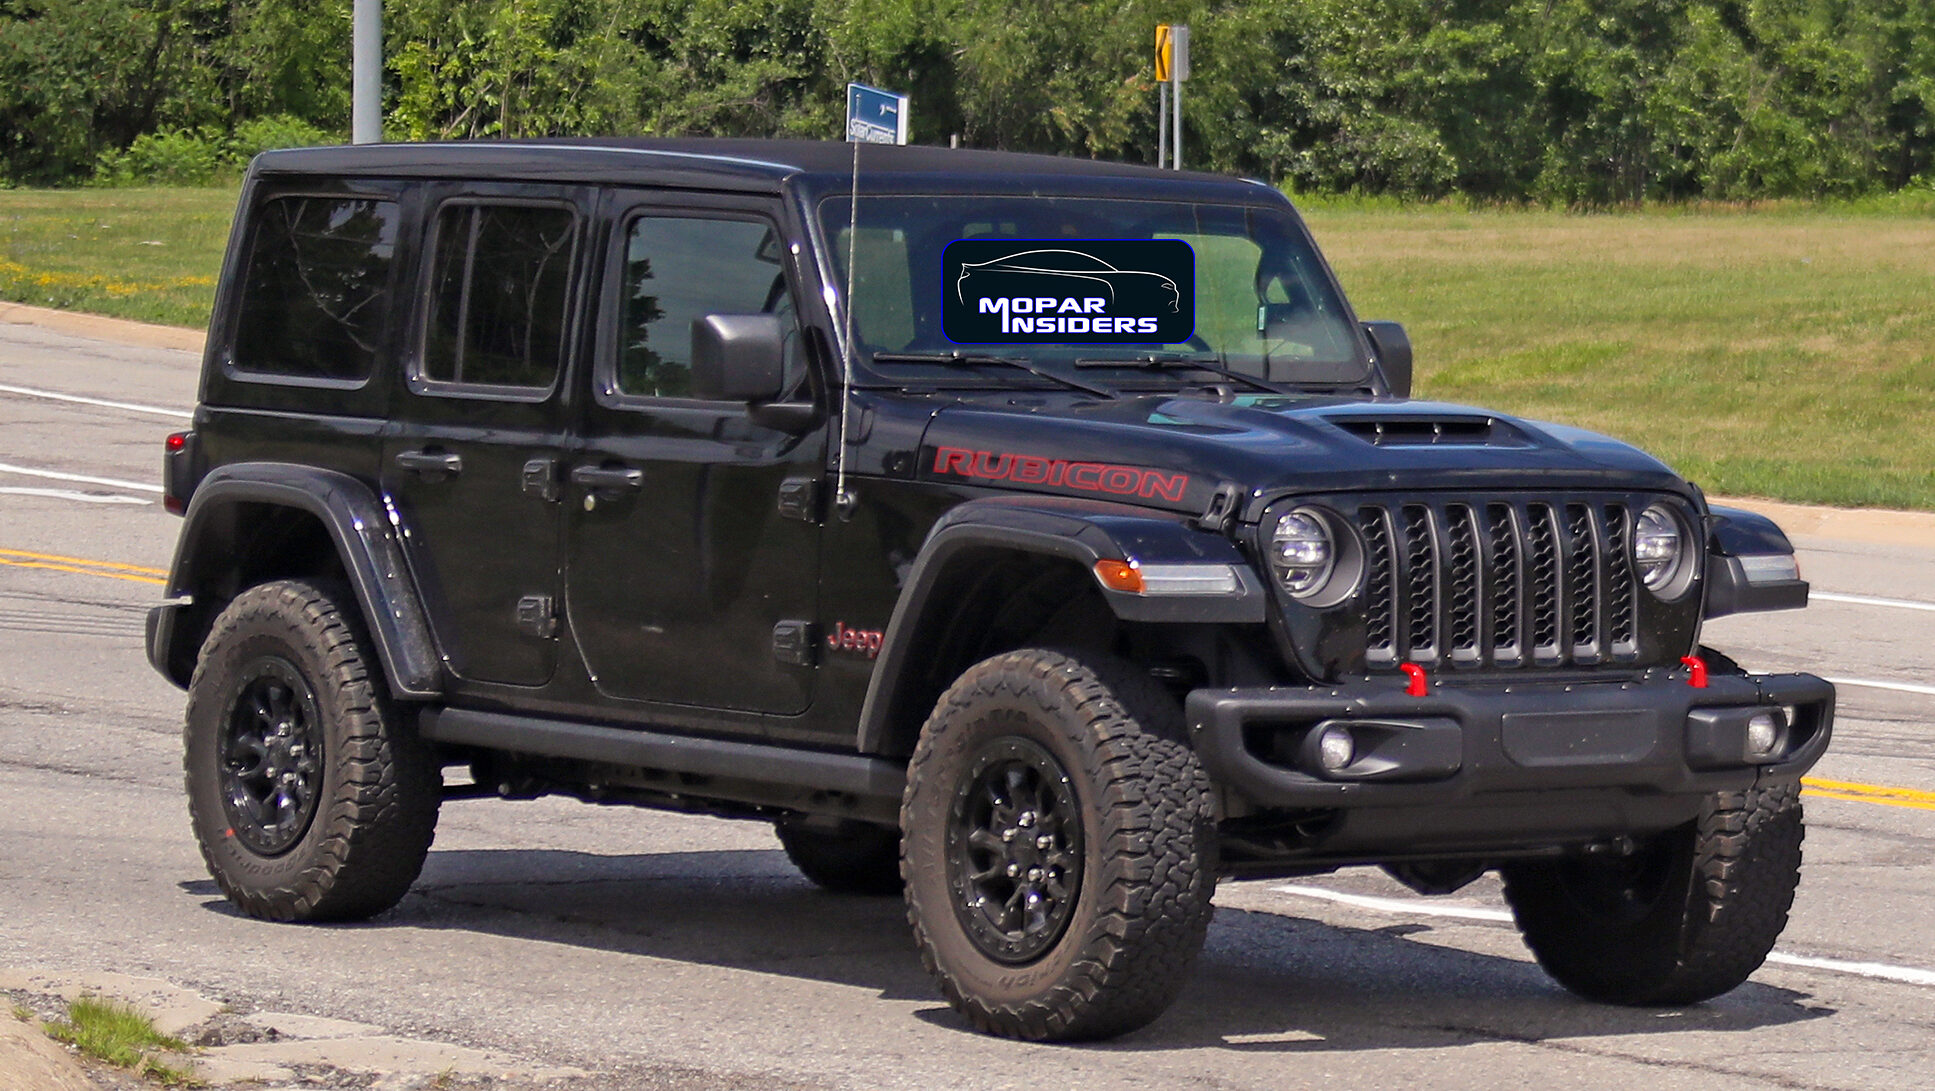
pixel 1263 306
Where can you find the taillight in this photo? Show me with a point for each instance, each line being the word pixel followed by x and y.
pixel 178 472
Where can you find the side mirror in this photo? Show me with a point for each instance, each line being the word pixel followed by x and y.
pixel 738 358
pixel 1393 348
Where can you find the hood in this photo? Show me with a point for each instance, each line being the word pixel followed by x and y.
pixel 1176 451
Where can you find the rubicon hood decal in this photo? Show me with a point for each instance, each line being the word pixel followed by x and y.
pixel 1060 473
pixel 1062 291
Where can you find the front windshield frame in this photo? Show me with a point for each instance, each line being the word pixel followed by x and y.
pixel 1271 230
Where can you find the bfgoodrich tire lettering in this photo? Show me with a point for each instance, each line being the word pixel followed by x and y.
pixel 1687 918
pixel 311 796
pixel 1110 866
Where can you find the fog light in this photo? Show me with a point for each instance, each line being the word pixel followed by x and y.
pixel 1763 734
pixel 1335 748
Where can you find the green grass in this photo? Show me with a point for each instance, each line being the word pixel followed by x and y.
pixel 147 254
pixel 120 1036
pixel 1781 350
pixel 1785 353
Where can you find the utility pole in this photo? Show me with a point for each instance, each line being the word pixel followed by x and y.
pixel 366 72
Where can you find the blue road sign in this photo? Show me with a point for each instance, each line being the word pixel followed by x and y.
pixel 875 116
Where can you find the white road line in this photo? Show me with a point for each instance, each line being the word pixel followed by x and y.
pixel 1399 906
pixel 1868 600
pixel 1907 975
pixel 1898 687
pixel 129 406
pixel 66 494
pixel 85 479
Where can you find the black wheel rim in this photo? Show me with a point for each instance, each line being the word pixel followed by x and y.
pixel 1014 850
pixel 271 757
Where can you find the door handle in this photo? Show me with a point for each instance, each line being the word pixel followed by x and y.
pixel 609 477
pixel 431 462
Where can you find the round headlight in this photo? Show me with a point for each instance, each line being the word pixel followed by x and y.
pixel 1302 552
pixel 1659 549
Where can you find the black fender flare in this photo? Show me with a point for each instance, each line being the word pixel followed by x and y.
pixel 1078 530
pixel 1733 587
pixel 365 541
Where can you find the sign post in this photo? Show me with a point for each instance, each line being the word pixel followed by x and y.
pixel 1172 68
pixel 875 116
pixel 1163 53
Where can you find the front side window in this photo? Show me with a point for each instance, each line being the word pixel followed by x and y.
pixel 313 294
pixel 679 269
pixel 500 285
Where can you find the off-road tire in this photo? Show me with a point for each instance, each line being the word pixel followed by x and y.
pixel 1136 800
pixel 1687 918
pixel 856 858
pixel 374 788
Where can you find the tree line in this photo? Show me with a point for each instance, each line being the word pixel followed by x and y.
pixel 1581 102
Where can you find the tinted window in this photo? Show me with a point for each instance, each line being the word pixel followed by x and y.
pixel 500 282
pixel 312 298
pixel 678 269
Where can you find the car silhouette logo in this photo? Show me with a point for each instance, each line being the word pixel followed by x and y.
pixel 1041 271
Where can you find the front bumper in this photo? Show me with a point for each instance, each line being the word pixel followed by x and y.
pixel 1506 762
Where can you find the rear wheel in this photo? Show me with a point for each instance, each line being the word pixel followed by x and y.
pixel 849 858
pixel 1059 847
pixel 1686 918
pixel 310 794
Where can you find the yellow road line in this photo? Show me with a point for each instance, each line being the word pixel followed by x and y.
pixel 1816 793
pixel 23 554
pixel 84 571
pixel 1870 793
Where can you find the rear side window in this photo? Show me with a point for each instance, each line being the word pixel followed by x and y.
pixel 313 294
pixel 500 285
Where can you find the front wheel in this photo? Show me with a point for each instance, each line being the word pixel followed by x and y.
pixel 309 792
pixel 1686 918
pixel 1058 847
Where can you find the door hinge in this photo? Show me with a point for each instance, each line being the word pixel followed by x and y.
pixel 799 498
pixel 795 643
pixel 541 479
pixel 537 616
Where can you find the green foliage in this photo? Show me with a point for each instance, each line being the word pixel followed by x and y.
pixel 1575 102
pixel 200 157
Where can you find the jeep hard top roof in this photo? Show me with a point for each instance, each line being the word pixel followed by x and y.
pixel 756 165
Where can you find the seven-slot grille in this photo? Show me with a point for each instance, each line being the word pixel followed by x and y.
pixel 1499 582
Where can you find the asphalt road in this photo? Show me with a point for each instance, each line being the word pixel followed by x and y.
pixel 660 950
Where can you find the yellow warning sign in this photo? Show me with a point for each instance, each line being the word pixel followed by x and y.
pixel 1165 52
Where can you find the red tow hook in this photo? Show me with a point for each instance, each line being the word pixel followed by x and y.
pixel 1421 685
pixel 1696 671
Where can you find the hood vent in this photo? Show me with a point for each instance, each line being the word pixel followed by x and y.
pixel 1433 432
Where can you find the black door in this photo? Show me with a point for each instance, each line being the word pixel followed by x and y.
pixel 682 562
pixel 473 462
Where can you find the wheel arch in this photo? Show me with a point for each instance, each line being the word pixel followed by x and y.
pixel 248 523
pixel 1002 573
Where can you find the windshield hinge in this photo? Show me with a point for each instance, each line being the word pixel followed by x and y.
pixel 1221 512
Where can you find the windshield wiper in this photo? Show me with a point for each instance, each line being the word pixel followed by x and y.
pixel 966 359
pixel 1176 362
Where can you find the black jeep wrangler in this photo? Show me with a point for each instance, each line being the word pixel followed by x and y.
pixel 1045 538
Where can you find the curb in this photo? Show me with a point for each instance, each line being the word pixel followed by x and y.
pixel 99 327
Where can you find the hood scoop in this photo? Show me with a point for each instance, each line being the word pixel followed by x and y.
pixel 1408 431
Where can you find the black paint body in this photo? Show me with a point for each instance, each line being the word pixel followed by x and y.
pixel 643 598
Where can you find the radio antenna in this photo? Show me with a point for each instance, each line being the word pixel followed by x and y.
pixel 842 499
